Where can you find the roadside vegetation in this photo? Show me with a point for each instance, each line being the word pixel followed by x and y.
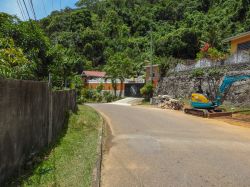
pixel 98 95
pixel 147 91
pixel 71 161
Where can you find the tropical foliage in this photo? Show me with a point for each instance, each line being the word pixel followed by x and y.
pixel 116 35
pixel 13 62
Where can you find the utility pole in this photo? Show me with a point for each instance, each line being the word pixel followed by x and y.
pixel 151 56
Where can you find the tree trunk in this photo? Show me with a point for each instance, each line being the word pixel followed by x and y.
pixel 121 86
pixel 114 86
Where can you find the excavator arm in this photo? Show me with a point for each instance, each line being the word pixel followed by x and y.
pixel 226 85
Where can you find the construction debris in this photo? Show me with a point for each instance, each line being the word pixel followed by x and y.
pixel 167 102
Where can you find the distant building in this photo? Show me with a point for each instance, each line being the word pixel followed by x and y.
pixel 155 74
pixel 240 47
pixel 92 79
pixel 239 42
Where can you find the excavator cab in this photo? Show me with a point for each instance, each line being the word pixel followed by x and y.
pixel 200 99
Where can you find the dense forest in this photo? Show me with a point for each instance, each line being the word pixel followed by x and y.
pixel 115 36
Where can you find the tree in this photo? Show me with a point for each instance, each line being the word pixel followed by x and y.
pixel 63 67
pixel 91 44
pixel 119 66
pixel 87 3
pixel 13 62
pixel 168 63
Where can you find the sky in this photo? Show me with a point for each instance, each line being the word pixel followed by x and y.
pixel 42 7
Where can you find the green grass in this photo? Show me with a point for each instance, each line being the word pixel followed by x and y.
pixel 72 161
pixel 231 108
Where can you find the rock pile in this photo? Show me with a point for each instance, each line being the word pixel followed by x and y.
pixel 167 102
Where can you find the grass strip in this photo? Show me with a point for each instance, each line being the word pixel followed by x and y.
pixel 72 161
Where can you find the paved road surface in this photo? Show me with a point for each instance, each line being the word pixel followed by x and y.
pixel 153 147
pixel 128 101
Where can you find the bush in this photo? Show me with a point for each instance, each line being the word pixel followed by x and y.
pixel 196 73
pixel 97 97
pixel 81 99
pixel 99 88
pixel 147 90
pixel 108 97
pixel 88 95
pixel 215 73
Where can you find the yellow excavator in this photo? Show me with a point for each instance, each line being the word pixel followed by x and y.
pixel 207 104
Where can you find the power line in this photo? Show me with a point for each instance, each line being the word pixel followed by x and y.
pixel 26 9
pixel 32 9
pixel 21 10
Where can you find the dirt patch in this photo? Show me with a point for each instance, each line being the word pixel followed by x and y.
pixel 107 135
pixel 237 119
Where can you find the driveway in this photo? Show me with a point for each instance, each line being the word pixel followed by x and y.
pixel 154 147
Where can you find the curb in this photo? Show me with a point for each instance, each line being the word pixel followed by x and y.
pixel 96 175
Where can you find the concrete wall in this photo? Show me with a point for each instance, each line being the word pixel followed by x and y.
pixel 180 85
pixel 31 117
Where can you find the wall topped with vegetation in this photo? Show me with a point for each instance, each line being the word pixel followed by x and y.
pixel 183 84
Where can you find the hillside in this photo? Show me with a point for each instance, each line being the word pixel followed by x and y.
pixel 98 34
pixel 103 28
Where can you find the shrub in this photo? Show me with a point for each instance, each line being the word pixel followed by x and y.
pixel 99 88
pixel 215 73
pixel 197 73
pixel 97 97
pixel 147 90
pixel 81 99
pixel 108 97
pixel 86 93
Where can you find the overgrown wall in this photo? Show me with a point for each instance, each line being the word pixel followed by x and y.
pixel 31 117
pixel 180 85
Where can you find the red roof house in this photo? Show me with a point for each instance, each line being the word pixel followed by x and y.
pixel 94 74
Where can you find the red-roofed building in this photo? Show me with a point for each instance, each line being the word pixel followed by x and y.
pixel 94 74
pixel 92 79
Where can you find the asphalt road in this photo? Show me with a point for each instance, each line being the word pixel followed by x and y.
pixel 154 147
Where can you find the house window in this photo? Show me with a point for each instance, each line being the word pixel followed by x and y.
pixel 244 46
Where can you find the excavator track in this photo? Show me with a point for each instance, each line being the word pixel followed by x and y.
pixel 207 113
pixel 196 112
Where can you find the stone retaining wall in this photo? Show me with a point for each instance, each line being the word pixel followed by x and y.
pixel 180 85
